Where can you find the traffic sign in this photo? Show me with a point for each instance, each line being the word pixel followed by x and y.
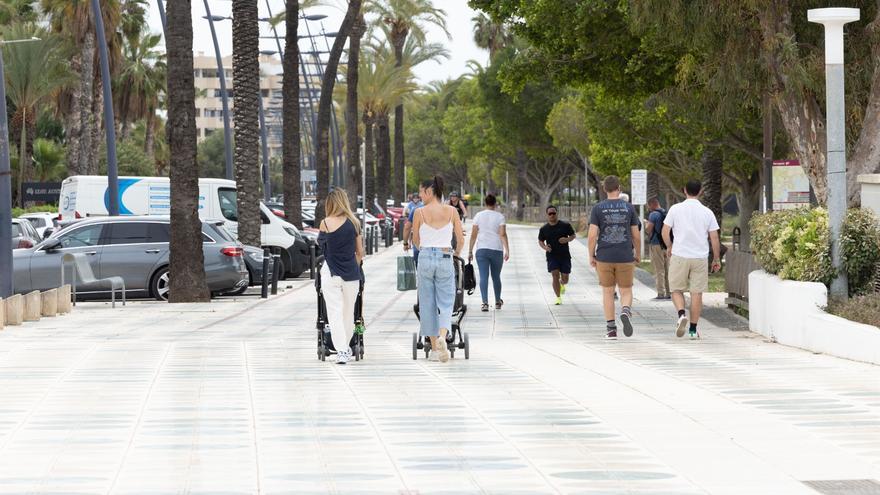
pixel 639 183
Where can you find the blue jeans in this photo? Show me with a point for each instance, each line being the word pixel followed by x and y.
pixel 436 291
pixel 490 261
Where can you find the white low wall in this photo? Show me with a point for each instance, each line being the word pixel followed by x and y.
pixel 791 313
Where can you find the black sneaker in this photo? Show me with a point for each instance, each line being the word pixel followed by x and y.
pixel 612 334
pixel 625 318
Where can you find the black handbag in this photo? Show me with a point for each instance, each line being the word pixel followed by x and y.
pixel 470 279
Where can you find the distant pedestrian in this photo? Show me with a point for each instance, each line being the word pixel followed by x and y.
pixel 456 202
pixel 489 235
pixel 691 223
pixel 659 258
pixel 434 227
pixel 553 238
pixel 613 247
pixel 340 241
pixel 410 211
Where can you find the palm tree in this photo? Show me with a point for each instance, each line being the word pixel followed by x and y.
pixel 325 106
pixel 82 106
pixel 490 35
pixel 48 160
pixel 352 151
pixel 188 283
pixel 381 86
pixel 405 18
pixel 246 81
pixel 140 82
pixel 290 149
pixel 35 71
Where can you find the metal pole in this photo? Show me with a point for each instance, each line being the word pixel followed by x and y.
pixel 109 119
pixel 264 286
pixel 506 186
pixel 267 186
pixel 768 154
pixel 833 19
pixel 6 286
pixel 162 17
pixel 224 96
pixel 363 190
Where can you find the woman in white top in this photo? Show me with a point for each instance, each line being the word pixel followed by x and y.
pixel 489 234
pixel 434 224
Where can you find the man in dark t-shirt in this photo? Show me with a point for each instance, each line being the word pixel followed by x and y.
pixel 553 238
pixel 613 244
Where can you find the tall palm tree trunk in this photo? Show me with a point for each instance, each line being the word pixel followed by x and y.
pixel 383 169
pixel 369 157
pixel 397 189
pixel 246 110
pixel 290 147
pixel 79 118
pixel 352 159
pixel 188 283
pixel 325 106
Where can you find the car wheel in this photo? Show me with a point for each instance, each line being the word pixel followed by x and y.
pixel 160 285
pixel 285 265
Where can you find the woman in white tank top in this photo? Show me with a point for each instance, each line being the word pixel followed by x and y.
pixel 434 226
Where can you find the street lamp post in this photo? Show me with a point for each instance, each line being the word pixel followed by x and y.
pixel 227 130
pixel 264 142
pixel 109 119
pixel 833 19
pixel 162 17
pixel 6 285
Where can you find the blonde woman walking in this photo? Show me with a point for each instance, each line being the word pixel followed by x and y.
pixel 340 240
pixel 434 226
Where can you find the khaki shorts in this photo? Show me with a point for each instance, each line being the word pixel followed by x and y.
pixel 688 274
pixel 619 274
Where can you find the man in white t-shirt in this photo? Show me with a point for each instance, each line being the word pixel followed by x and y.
pixel 688 230
pixel 489 243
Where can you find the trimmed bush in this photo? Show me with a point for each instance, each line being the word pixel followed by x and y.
pixel 17 212
pixel 863 309
pixel 796 245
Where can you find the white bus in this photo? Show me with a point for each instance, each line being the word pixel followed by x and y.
pixel 88 195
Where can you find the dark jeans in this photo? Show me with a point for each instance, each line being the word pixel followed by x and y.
pixel 490 261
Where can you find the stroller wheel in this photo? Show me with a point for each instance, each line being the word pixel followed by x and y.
pixel 415 346
pixel 452 352
pixel 467 346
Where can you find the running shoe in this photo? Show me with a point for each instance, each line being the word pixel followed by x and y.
pixel 443 353
pixel 693 334
pixel 626 319
pixel 343 357
pixel 485 307
pixel 499 303
pixel 612 334
pixel 682 326
pixel 559 301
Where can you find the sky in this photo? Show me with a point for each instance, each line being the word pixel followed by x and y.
pixel 461 45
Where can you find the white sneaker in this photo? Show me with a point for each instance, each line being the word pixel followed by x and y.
pixel 432 356
pixel 343 357
pixel 682 326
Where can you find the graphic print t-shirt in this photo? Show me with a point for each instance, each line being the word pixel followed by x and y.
pixel 614 217
pixel 551 234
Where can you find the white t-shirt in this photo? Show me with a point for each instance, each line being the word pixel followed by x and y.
pixel 691 223
pixel 489 237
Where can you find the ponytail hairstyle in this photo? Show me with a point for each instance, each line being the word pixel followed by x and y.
pixel 436 186
pixel 337 205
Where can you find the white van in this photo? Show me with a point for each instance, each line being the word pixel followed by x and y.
pixel 87 195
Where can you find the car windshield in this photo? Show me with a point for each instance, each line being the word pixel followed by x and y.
pixel 228 204
pixel 221 231
pixel 16 230
pixel 37 222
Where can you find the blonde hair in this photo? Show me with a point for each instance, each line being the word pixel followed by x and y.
pixel 337 205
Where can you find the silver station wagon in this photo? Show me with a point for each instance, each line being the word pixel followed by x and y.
pixel 134 248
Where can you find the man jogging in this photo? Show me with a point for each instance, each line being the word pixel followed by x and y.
pixel 553 238
pixel 659 259
pixel 691 223
pixel 613 248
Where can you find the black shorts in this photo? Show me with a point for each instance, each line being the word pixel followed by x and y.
pixel 563 265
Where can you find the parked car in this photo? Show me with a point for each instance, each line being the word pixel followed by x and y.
pixel 134 248
pixel 42 222
pixel 253 259
pixel 24 235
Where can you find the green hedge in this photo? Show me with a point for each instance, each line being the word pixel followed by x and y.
pixel 17 212
pixel 796 245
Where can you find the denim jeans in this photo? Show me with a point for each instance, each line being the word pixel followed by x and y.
pixel 436 290
pixel 490 261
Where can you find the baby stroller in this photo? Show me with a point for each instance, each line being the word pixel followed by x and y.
pixel 325 342
pixel 455 339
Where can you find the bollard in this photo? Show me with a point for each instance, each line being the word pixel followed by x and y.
pixel 400 224
pixel 276 272
pixel 264 286
pixel 49 302
pixel 64 304
pixel 311 261
pixel 33 304
pixel 14 309
pixel 389 236
pixel 376 240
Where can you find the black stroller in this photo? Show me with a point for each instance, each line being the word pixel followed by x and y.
pixel 325 342
pixel 455 339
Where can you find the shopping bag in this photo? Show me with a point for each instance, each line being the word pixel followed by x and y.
pixel 470 279
pixel 406 273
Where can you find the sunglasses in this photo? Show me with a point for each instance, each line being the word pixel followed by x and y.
pixel 551 213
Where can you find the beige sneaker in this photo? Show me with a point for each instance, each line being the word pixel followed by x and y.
pixel 435 349
pixel 442 352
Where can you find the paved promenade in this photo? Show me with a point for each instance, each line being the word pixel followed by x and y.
pixel 229 398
